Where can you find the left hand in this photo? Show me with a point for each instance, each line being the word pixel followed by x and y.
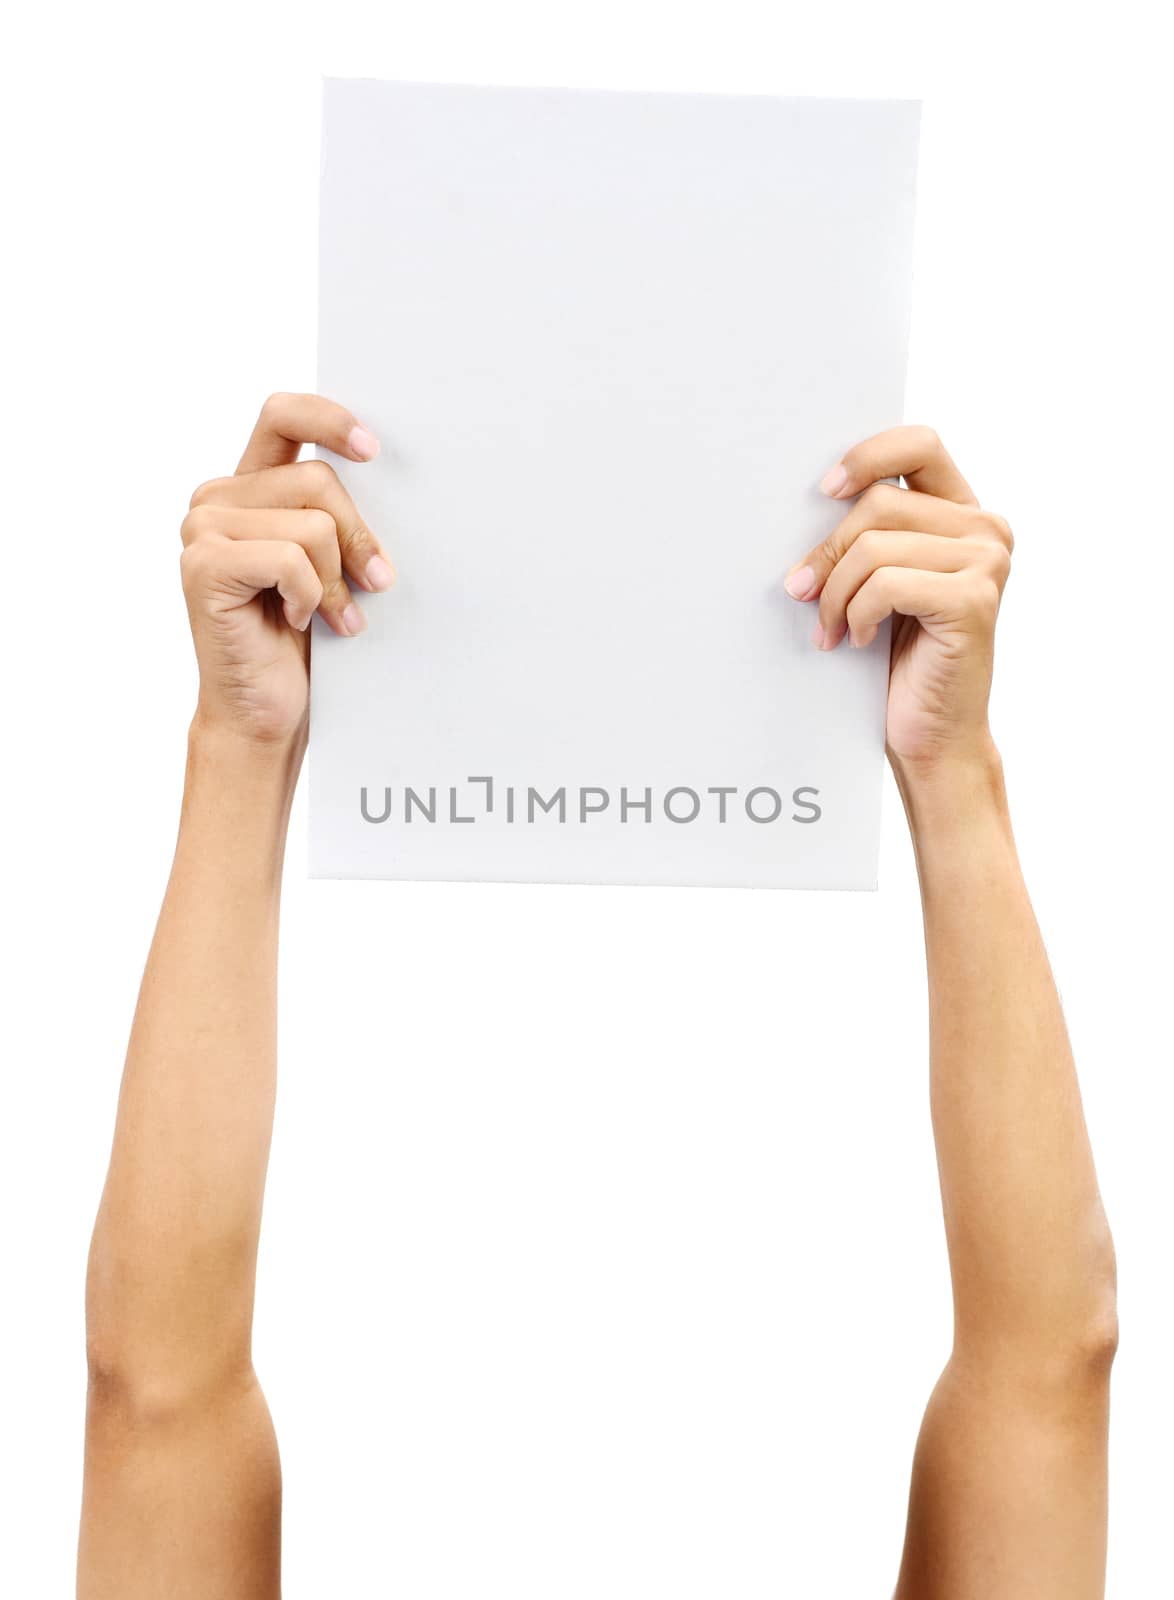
pixel 929 556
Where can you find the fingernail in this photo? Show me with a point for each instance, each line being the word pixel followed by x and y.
pixel 835 481
pixel 819 637
pixel 353 620
pixel 800 582
pixel 362 443
pixel 380 574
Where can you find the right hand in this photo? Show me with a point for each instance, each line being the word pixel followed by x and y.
pixel 265 549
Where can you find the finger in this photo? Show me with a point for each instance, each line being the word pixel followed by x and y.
pixel 309 485
pixel 315 531
pixel 288 421
pixel 227 573
pixel 915 454
pixel 875 549
pixel 884 505
pixel 937 599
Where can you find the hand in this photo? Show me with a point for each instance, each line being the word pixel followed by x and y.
pixel 264 550
pixel 932 558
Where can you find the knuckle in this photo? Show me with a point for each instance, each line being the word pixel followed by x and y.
pixel 320 533
pixel 205 492
pixel 879 499
pixel 1000 528
pixel 928 440
pixel 320 524
pixel 888 581
pixel 197 524
pixel 295 563
pixel 871 547
pixel 276 404
pixel 999 563
pixel 318 477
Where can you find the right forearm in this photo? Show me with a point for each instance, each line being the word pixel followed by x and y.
pixel 182 1480
pixel 1030 1253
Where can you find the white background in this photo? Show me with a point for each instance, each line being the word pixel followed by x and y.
pixel 602 1252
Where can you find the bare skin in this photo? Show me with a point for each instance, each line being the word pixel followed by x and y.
pixel 182 1491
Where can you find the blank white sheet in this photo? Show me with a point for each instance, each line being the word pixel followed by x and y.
pixel 610 343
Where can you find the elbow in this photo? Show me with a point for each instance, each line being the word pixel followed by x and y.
pixel 1102 1349
pixel 132 1388
pixel 1092 1333
pixel 128 1375
pixel 1096 1346
pixel 125 1389
pixel 148 1363
pixel 1059 1336
pixel 1102 1330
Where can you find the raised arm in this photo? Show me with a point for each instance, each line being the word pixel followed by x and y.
pixel 1009 1493
pixel 182 1486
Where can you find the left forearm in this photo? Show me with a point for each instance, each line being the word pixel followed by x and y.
pixel 171 1269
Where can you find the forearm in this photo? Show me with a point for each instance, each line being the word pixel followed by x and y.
pixel 174 1248
pixel 1030 1253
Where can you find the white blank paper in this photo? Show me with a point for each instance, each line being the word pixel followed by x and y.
pixel 610 343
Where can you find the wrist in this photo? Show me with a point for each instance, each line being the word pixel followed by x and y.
pixel 236 801
pixel 952 794
pixel 241 759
